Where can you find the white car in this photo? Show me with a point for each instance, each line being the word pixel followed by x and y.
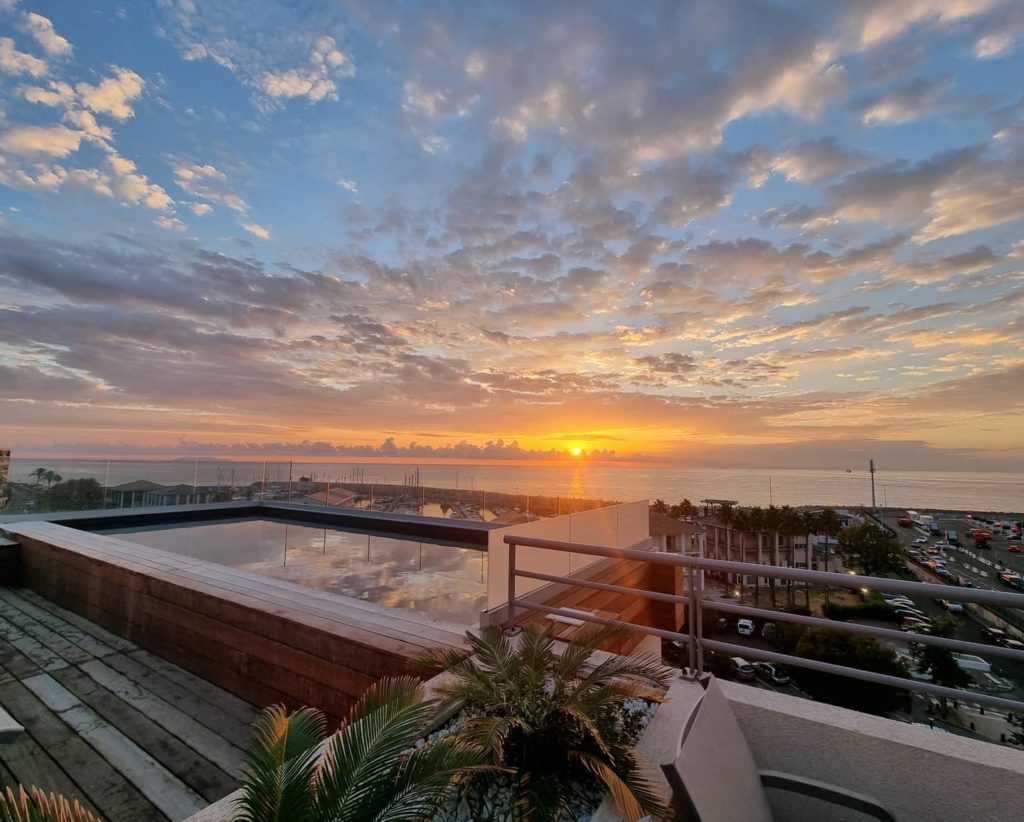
pixel 921 541
pixel 745 627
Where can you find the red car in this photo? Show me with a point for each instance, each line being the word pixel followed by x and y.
pixel 1013 549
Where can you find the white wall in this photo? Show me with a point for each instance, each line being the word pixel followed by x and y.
pixel 617 526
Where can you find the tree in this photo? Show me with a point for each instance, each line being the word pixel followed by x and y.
pixel 741 519
pixel 853 651
pixel 790 525
pixel 873 550
pixel 756 524
pixel 939 662
pixel 74 495
pixel 772 523
pixel 726 516
pixel 809 524
pixel 371 768
pixel 39 473
pixel 830 524
pixel 684 510
pixel 659 506
pixel 544 716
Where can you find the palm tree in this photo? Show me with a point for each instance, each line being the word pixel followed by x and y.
pixel 772 523
pixel 369 769
pixel 809 522
pixel 741 520
pixel 757 526
pixel 830 524
pixel 552 722
pixel 659 506
pixel 790 524
pixel 51 477
pixel 726 516
pixel 34 805
pixel 39 473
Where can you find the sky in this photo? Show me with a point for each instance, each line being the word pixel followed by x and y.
pixel 721 232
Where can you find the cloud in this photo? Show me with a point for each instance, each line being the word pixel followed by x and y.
pixel 44 34
pixel 255 228
pixel 113 95
pixel 209 183
pixel 994 45
pixel 434 144
pixel 202 209
pixel 308 62
pixel 906 102
pixel 170 223
pixel 349 185
pixel 52 141
pixel 13 61
pixel 316 82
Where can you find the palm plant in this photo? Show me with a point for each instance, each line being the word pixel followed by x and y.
pixel 34 805
pixel 553 721
pixel 39 473
pixel 368 770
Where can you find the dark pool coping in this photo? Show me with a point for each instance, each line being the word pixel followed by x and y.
pixel 467 532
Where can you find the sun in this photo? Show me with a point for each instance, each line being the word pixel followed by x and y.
pixel 577 451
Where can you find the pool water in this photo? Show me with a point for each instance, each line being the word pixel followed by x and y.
pixel 447 583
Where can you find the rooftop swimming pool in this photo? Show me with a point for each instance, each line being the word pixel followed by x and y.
pixel 444 582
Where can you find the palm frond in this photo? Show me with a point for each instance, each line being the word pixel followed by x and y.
pixel 426 778
pixel 625 802
pixel 35 805
pixel 280 764
pixel 488 733
pixel 358 765
pixel 540 799
pixel 642 779
pixel 584 642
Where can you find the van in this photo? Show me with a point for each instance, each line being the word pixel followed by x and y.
pixel 740 668
pixel 745 627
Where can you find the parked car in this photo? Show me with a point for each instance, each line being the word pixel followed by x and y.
pixel 1015 644
pixel 745 627
pixel 953 607
pixel 740 668
pixel 921 541
pixel 910 612
pixel 771 673
pixel 1013 549
pixel 994 634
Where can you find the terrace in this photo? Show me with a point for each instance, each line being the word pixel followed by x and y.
pixel 243 640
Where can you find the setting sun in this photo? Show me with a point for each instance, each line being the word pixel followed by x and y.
pixel 577 451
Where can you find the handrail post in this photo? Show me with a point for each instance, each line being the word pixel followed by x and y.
pixel 510 617
pixel 698 598
pixel 692 619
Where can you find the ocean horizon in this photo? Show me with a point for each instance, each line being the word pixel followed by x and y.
pixel 955 490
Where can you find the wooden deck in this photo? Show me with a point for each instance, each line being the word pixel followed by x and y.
pixel 127 733
pixel 263 639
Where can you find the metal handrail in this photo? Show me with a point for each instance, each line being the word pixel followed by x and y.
pixel 695 642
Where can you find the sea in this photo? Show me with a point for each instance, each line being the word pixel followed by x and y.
pixel 919 490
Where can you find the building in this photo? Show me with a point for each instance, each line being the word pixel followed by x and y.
pixel 5 472
pixel 182 495
pixel 675 536
pixel 131 494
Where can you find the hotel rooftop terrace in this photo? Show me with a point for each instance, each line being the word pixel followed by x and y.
pixel 137 673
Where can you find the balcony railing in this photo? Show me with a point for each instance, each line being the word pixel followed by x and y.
pixel 696 643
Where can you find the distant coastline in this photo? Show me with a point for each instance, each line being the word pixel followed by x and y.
pixel 996 492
